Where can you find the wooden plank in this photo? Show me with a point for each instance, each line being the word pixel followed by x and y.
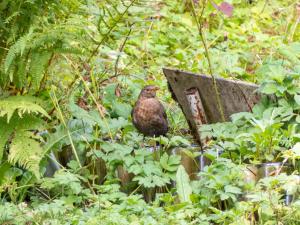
pixel 236 96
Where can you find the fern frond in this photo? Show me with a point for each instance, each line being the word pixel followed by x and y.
pixel 15 50
pixel 26 151
pixel 39 61
pixel 20 104
pixel 20 74
pixel 28 122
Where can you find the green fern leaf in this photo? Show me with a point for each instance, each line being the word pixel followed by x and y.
pixel 39 61
pixel 15 50
pixel 20 104
pixel 26 151
pixel 28 122
pixel 20 76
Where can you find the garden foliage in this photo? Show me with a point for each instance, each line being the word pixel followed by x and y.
pixel 70 72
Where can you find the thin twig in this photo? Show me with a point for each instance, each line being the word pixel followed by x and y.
pixel 55 102
pixel 92 96
pixel 201 34
pixel 109 31
pixel 121 49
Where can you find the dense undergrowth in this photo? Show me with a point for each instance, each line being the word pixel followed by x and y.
pixel 70 72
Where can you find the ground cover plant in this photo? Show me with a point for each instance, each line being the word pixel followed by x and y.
pixel 70 72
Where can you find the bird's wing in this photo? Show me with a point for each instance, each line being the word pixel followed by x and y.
pixel 164 112
pixel 132 114
pixel 160 112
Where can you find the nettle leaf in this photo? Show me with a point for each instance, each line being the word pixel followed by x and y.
pixel 82 114
pixel 277 73
pixel 232 189
pixel 179 140
pixel 169 163
pixel 269 88
pixel 63 179
pixel 297 99
pixel 122 109
pixel 183 186
pixel 114 125
pixel 79 130
pixel 290 52
pixel 109 93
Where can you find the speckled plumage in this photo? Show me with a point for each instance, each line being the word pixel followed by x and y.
pixel 148 114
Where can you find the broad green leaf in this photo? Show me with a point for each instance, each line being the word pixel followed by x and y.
pixel 297 99
pixel 269 88
pixel 232 189
pixel 184 189
pixel 122 109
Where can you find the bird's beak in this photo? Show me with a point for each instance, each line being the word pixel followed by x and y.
pixel 156 88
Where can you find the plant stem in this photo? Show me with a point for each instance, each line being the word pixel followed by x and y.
pixel 203 40
pixel 109 31
pixel 55 101
pixel 121 50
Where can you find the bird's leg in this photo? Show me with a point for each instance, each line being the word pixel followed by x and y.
pixel 142 144
pixel 155 143
pixel 155 152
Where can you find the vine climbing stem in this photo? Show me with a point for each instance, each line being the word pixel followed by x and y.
pixel 199 23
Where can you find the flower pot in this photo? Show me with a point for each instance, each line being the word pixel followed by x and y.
pixel 289 198
pixel 270 169
pixel 251 173
pixel 203 162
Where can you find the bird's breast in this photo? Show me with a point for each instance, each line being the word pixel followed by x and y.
pixel 149 117
pixel 148 108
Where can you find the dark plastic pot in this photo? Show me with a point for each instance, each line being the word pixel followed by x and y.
pixel 125 177
pixel 52 165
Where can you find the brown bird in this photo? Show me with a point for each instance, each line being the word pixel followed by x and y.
pixel 148 114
